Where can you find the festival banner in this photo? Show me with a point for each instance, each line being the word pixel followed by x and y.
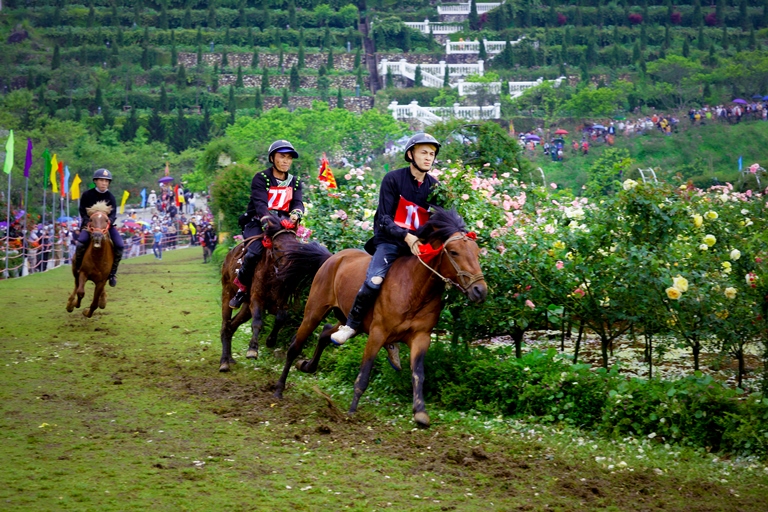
pixel 28 161
pixel 176 195
pixel 144 198
pixel 326 174
pixel 122 203
pixel 65 187
pixel 74 192
pixel 8 165
pixel 61 180
pixel 54 168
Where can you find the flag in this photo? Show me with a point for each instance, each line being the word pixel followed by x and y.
pixel 61 179
pixel 741 162
pixel 8 154
pixel 143 197
pixel 47 164
pixel 66 178
pixel 28 161
pixel 176 195
pixel 54 168
pixel 122 203
pixel 326 174
pixel 386 167
pixel 74 192
pixel 167 169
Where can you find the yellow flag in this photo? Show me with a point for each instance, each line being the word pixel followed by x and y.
pixel 122 203
pixel 54 177
pixel 74 190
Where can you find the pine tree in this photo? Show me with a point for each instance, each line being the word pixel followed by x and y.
pixel 128 132
pixel 107 116
pixel 474 19
pixel 724 38
pixel 114 57
pixel 643 37
pixel 200 61
pixel 241 19
pixel 321 71
pixel 327 42
pixel 752 42
pixel 174 56
pixel 358 59
pixel 227 38
pixel 186 22
pixel 686 48
pixel 265 18
pixel 285 100
pixel 696 18
pixel 417 79
pixel 291 13
pixel 204 128
pixel 255 59
pixel 323 83
pixel 162 20
pixel 561 70
pixel 224 59
pixel 635 52
pixel 211 14
pixel 701 44
pixel 56 59
pixel 280 60
pixel 712 57
pixel 720 11
pixel 181 77
pixel 330 59
pixel 91 16
pixel 360 80
pixel 199 37
pixel 257 101
pixel 163 99
pixel 667 38
pixel 390 79
pixel 239 81
pixel 145 58
pixel 231 105
pixel 483 54
pixel 178 139
pixel 339 99
pixel 406 40
pixel 300 57
pixel 447 77
pixel 744 22
pixel 265 80
pixel 295 80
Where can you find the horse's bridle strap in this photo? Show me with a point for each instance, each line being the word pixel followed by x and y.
pixel 103 231
pixel 465 278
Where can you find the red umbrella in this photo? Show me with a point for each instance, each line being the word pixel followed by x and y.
pixel 561 132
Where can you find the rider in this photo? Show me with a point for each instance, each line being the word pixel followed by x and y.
pixel 273 192
pixel 102 179
pixel 402 209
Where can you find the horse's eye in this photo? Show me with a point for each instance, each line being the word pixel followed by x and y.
pixel 454 253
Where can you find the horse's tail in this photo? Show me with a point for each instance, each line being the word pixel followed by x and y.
pixel 297 266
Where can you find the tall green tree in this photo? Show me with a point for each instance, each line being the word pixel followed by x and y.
pixel 339 99
pixel 417 78
pixel 330 65
pixel 474 19
pixel 163 105
pixel 181 77
pixel 56 59
pixel 156 127
pixel 255 59
pixel 239 80
pixel 258 103
pixel 178 138
pixel 295 80
pixel 265 80
pixel 285 99
pixel 131 125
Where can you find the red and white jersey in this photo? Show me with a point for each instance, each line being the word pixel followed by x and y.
pixel 280 198
pixel 410 215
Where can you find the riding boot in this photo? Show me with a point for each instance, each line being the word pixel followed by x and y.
pixel 365 298
pixel 80 249
pixel 118 255
pixel 245 273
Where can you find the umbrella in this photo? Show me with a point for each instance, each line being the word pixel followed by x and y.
pixel 165 179
pixel 739 100
pixel 19 214
pixel 757 97
pixel 142 222
pixel 64 219
pixel 598 127
pixel 561 132
pixel 765 98
pixel 532 137
pixel 559 139
pixel 130 223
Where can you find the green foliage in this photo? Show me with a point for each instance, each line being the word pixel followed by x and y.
pixel 230 193
pixel 606 171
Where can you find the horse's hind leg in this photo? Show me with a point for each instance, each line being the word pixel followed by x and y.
pixel 297 343
pixel 419 347
pixel 257 323
pixel 361 383
pixel 103 299
pixel 281 317
pixel 228 327
pixel 72 300
pixel 310 365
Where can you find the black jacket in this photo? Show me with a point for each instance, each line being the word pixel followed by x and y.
pixel 90 198
pixel 259 201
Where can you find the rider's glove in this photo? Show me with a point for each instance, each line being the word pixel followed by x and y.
pixel 413 242
pixel 295 216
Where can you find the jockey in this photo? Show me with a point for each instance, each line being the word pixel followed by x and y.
pixel 273 192
pixel 402 209
pixel 102 179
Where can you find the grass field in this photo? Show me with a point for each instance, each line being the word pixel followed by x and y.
pixel 127 411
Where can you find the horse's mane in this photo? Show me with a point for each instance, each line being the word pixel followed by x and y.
pixel 441 225
pixel 100 206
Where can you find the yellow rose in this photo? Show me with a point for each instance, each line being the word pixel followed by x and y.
pixel 710 240
pixel 722 315
pixel 559 245
pixel 673 293
pixel 730 292
pixel 698 220
pixel 711 215
pixel 680 283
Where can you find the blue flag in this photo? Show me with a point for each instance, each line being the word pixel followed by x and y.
pixel 143 197
pixel 741 162
pixel 66 178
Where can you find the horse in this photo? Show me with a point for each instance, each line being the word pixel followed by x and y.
pixel 286 267
pixel 408 306
pixel 97 260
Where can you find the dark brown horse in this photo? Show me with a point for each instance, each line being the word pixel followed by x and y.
pixel 285 268
pixel 407 308
pixel 97 261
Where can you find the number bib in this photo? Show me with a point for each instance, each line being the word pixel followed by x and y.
pixel 410 215
pixel 280 198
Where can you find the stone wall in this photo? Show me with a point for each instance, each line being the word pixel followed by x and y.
pixel 354 104
pixel 341 61
pixel 306 82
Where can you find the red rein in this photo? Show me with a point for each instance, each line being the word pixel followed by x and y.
pixel 103 231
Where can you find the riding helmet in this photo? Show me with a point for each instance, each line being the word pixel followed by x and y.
pixel 282 146
pixel 421 138
pixel 102 174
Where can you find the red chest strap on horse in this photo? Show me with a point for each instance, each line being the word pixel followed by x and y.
pixel 465 278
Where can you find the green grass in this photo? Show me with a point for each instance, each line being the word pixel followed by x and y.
pixel 127 411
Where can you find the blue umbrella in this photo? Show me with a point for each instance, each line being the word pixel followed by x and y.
pixel 64 219
pixel 765 98
pixel 757 97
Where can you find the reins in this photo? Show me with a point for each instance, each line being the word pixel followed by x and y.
pixel 103 231
pixel 462 275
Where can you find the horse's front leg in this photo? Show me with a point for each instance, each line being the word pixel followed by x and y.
pixel 88 312
pixel 310 365
pixel 306 329
pixel 369 356
pixel 256 325
pixel 281 317
pixel 419 347
pixel 228 327
pixel 80 289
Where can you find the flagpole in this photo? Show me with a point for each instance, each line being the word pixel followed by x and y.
pixel 7 225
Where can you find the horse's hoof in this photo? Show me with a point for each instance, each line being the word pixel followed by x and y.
pixel 278 394
pixel 224 367
pixel 70 308
pixel 271 343
pixel 301 365
pixel 252 353
pixel 87 313
pixel 422 419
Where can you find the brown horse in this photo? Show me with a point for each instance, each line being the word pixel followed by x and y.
pixel 407 308
pixel 97 261
pixel 284 270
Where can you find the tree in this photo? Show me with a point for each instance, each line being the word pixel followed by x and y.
pixel 360 81
pixel 231 102
pixel 239 81
pixel 358 59
pixel 162 20
pixel 128 132
pixel 300 56
pixel 56 59
pixel 292 13
pixel 686 48
pixel 174 56
pixel 255 59
pixel 701 43
pixel 258 103
pixel 224 60
pixel 417 79
pixel 155 126
pixel 330 58
pixel 200 60
pixel 295 80
pixel 91 16
pixel 179 136
pixel 323 83
pixel 212 14
pixel 186 21
pixel 339 99
pixel 163 104
pixel 114 56
pixel 265 80
pixel 390 79
pixel 285 99
pixel 181 77
pixel 724 38
pixel 447 77
pixel 483 54
pixel 474 19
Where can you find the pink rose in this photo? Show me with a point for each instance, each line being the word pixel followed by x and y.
pixel 559 265
pixel 530 304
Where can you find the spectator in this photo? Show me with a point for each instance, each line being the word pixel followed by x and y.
pixel 157 244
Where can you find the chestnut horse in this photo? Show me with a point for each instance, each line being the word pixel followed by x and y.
pixel 407 308
pixel 286 267
pixel 97 261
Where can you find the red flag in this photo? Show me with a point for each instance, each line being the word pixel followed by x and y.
pixel 176 195
pixel 326 174
pixel 62 187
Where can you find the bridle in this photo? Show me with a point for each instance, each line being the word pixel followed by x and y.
pixel 103 231
pixel 465 278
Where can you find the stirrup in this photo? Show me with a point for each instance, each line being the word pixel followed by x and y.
pixel 238 299
pixel 341 336
pixel 393 356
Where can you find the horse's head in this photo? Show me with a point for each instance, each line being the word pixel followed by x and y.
pixel 98 222
pixel 459 257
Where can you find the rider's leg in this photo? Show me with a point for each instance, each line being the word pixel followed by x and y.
pixel 245 272
pixel 382 259
pixel 119 247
